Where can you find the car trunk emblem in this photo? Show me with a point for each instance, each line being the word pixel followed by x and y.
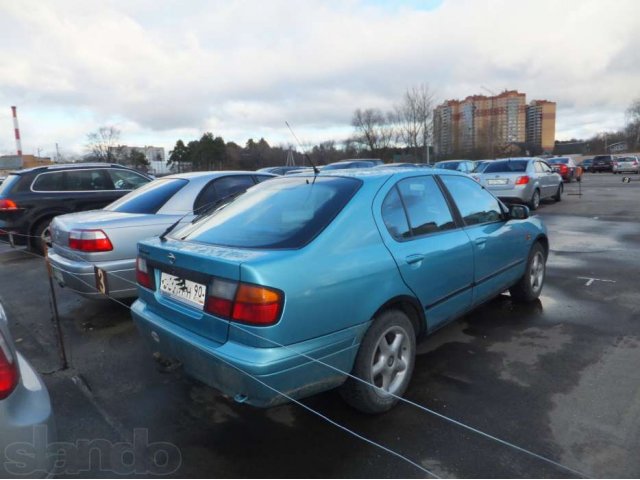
pixel 172 258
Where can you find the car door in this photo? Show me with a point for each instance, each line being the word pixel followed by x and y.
pixel 89 189
pixel 552 179
pixel 499 248
pixel 433 254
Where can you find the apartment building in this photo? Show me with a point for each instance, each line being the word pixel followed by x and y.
pixel 488 124
pixel 541 124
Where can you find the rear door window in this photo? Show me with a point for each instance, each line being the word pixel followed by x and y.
pixel 149 198
pixel 87 180
pixel 474 203
pixel 394 216
pixel 426 207
pixel 49 182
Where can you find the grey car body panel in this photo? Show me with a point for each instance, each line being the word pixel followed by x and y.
pixel 26 409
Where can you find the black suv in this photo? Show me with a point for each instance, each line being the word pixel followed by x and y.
pixel 602 163
pixel 30 198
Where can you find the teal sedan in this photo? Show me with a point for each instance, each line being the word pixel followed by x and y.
pixel 307 283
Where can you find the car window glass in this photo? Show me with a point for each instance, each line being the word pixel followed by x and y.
pixel 262 178
pixel 427 209
pixel 475 204
pixel 507 166
pixel 149 198
pixel 394 216
pixel 222 187
pixel 545 167
pixel 286 212
pixel 49 182
pixel 86 180
pixel 126 180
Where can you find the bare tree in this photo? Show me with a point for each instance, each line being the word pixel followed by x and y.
pixel 414 120
pixel 103 143
pixel 374 129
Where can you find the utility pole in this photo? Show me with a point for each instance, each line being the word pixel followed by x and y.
pixel 57 153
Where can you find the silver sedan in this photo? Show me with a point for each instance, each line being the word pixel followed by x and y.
pixel 26 417
pixel 94 252
pixel 522 180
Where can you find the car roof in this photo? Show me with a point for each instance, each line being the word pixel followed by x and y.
pixel 216 173
pixel 71 166
pixel 375 173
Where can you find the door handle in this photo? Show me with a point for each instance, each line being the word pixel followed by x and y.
pixel 481 242
pixel 413 259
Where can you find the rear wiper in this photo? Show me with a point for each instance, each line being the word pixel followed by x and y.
pixel 204 209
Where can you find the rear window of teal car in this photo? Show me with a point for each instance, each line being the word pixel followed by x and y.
pixel 281 213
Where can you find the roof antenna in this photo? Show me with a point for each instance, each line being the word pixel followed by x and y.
pixel 315 169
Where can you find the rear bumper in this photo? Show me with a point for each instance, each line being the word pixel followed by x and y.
pixel 250 374
pixel 513 195
pixel 80 276
pixel 27 425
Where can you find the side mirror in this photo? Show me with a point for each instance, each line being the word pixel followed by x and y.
pixel 518 212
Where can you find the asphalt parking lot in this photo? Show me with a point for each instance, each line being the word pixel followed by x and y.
pixel 559 377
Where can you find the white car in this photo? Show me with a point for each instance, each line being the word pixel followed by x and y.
pixel 626 165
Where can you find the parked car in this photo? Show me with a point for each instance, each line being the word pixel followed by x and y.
pixel 107 238
pixel 522 180
pixel 2 179
pixel 24 407
pixel 31 198
pixel 602 163
pixel 464 166
pixel 586 164
pixel 626 165
pixel 566 168
pixel 283 170
pixel 345 267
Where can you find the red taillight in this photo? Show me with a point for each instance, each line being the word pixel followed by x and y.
pixel 89 241
pixel 9 374
pixel 252 304
pixel 7 204
pixel 564 168
pixel 522 180
pixel 144 275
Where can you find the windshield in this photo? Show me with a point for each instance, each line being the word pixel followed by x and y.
pixel 283 213
pixel 149 198
pixel 480 167
pixel 507 166
pixel 8 183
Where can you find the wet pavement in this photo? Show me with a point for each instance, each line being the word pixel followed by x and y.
pixel 558 377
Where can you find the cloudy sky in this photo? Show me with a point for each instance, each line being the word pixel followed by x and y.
pixel 160 70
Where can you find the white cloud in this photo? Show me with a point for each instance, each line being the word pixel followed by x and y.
pixel 164 69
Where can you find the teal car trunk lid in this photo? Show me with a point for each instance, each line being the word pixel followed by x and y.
pixel 194 266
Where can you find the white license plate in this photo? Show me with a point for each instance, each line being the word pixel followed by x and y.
pixel 497 181
pixel 183 289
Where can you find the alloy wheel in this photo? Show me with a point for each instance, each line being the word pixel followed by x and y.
pixel 391 359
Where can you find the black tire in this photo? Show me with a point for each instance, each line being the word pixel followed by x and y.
pixel 530 285
pixel 36 240
pixel 396 365
pixel 558 196
pixel 534 203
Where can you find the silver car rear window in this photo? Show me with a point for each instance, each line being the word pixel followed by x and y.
pixel 507 166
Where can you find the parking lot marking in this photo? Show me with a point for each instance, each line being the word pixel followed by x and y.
pixel 590 280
